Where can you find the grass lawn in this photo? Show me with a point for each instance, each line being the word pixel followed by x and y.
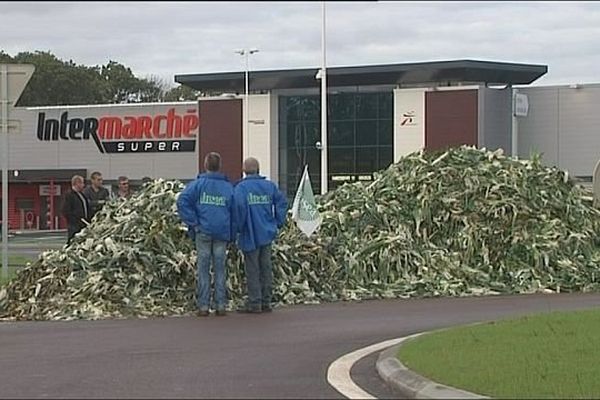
pixel 15 262
pixel 11 273
pixel 553 355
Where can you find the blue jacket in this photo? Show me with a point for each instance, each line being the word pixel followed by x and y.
pixel 206 206
pixel 260 210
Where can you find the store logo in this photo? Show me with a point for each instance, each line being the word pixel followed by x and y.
pixel 111 134
pixel 408 119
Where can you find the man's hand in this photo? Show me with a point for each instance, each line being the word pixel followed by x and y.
pixel 191 232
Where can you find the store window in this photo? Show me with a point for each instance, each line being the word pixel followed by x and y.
pixel 360 137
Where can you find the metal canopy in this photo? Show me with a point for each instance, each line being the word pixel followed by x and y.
pixel 397 74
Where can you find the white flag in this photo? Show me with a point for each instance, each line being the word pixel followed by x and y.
pixel 304 209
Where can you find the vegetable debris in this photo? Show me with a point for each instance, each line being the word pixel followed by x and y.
pixel 460 222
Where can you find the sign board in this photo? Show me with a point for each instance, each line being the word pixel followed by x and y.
pixel 14 126
pixel 45 190
pixel 521 105
pixel 13 79
pixel 173 130
pixel 18 76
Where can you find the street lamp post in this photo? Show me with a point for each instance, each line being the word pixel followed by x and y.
pixel 4 148
pixel 323 76
pixel 246 54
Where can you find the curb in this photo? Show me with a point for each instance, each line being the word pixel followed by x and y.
pixel 411 385
pixel 38 233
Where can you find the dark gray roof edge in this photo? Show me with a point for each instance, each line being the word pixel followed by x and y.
pixel 373 68
pixel 240 74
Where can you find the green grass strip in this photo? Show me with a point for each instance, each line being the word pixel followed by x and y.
pixel 555 355
pixel 15 262
pixel 12 271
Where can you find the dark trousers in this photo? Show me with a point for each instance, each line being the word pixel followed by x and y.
pixel 259 276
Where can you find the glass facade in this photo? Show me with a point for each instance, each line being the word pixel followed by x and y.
pixel 360 137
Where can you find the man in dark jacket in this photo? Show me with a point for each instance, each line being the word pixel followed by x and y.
pixel 76 208
pixel 260 211
pixel 205 205
pixel 96 194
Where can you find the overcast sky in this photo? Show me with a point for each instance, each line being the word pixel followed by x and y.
pixel 168 38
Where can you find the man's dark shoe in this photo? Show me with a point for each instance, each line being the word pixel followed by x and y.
pixel 221 312
pixel 250 310
pixel 202 313
pixel 267 308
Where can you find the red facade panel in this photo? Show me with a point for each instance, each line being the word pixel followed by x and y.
pixel 450 119
pixel 221 131
pixel 28 210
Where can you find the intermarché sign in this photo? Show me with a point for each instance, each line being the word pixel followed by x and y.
pixel 167 132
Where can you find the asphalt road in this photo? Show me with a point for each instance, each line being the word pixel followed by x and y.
pixel 284 354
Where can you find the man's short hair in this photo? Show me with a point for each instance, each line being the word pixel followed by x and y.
pixel 95 175
pixel 77 178
pixel 212 162
pixel 123 179
pixel 251 166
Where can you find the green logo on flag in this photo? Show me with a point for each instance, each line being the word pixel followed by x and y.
pixel 304 209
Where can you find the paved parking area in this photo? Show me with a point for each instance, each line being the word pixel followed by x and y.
pixel 284 354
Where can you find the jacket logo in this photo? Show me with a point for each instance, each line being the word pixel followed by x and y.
pixel 212 200
pixel 254 199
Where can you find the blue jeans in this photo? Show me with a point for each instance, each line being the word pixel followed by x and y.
pixel 210 250
pixel 259 276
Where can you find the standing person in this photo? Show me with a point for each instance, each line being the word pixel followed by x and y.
pixel 96 193
pixel 260 211
pixel 206 205
pixel 124 191
pixel 76 207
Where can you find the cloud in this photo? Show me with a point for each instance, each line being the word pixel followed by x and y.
pixel 168 38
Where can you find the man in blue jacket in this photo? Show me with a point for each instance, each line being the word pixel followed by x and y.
pixel 206 206
pixel 260 211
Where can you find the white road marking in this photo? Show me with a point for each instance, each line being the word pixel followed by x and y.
pixel 338 373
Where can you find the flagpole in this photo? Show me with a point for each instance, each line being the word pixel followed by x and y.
pixel 324 174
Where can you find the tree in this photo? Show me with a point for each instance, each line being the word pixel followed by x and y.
pixel 154 89
pixel 5 58
pixel 181 93
pixel 56 82
pixel 123 86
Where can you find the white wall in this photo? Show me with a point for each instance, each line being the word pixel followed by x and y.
pixel 261 142
pixel 410 136
pixel 563 125
pixel 538 131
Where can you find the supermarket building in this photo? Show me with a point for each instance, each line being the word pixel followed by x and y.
pixel 376 114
